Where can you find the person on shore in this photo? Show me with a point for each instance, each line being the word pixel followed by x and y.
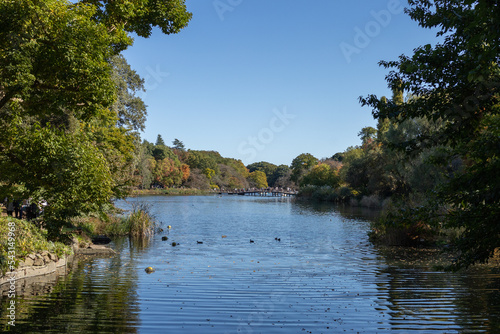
pixel 24 209
pixel 10 207
pixel 17 206
pixel 33 210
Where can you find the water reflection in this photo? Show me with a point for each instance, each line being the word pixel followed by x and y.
pixel 420 300
pixel 97 296
pixel 323 275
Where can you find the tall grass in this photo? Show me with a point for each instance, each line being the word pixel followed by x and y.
pixel 139 223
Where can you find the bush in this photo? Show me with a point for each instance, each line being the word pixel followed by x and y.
pixel 405 223
pixel 327 193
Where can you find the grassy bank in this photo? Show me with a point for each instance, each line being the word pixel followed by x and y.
pixel 26 239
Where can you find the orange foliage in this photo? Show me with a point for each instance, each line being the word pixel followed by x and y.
pixel 185 172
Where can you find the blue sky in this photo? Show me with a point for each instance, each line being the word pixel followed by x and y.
pixel 267 80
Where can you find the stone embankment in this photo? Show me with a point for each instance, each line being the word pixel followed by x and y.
pixel 36 265
pixel 45 263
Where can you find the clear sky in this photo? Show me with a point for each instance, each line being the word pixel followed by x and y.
pixel 267 80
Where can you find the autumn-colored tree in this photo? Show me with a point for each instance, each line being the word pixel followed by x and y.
pixel 168 172
pixel 185 172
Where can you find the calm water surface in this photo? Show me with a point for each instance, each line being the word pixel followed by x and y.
pixel 324 276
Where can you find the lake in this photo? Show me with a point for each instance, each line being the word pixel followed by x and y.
pixel 321 276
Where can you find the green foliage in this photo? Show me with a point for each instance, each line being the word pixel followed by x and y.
pixel 161 152
pixel 258 179
pixel 160 141
pixel 301 165
pixel 280 177
pixel 178 145
pixel 268 168
pixel 54 60
pixel 237 166
pixel 67 104
pixel 456 84
pixel 367 134
pixel 130 109
pixel 66 170
pixel 203 160
pixel 29 239
pixel 474 196
pixel 141 16
pixel 321 175
pixel 138 223
pixel 328 194
pixel 209 173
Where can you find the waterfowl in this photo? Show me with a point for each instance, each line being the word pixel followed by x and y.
pixel 277 239
pixel 199 242
pixel 164 238
pixel 251 241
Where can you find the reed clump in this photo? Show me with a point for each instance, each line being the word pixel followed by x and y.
pixel 138 223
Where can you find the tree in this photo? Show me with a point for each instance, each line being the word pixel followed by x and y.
pixel 321 175
pixel 185 172
pixel 141 16
pixel 203 159
pixel 301 164
pixel 456 82
pixel 338 157
pixel 209 173
pixel 130 108
pixel 367 134
pixel 161 152
pixel 66 170
pixel 65 130
pixel 58 66
pixel 159 141
pixel 266 167
pixel 280 173
pixel 178 145
pixel 258 179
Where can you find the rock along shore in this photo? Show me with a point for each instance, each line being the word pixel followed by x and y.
pixel 46 263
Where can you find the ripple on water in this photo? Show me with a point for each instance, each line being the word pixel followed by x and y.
pixel 322 277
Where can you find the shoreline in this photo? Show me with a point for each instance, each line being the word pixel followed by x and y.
pixel 44 263
pixel 171 192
